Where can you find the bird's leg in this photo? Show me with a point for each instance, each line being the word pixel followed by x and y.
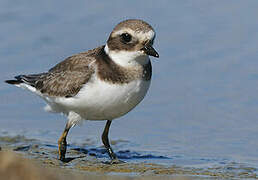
pixel 105 140
pixel 62 144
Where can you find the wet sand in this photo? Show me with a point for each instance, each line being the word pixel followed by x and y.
pixel 22 158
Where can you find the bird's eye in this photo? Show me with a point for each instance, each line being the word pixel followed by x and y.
pixel 126 37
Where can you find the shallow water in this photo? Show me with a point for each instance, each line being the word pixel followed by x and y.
pixel 94 160
pixel 201 109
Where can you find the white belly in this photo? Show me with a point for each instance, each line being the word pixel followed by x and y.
pixel 103 101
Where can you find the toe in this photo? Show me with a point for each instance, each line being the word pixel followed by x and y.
pixel 116 161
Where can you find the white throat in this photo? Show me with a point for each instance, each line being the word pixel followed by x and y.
pixel 127 58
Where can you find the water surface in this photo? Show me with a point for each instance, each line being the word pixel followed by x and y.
pixel 201 109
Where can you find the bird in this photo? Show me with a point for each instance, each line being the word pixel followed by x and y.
pixel 101 84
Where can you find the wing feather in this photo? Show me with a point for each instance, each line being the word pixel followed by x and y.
pixel 66 78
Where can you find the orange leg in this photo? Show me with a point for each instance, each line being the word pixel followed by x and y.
pixel 62 144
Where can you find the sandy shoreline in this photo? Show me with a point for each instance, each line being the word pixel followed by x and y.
pixel 15 166
pixel 22 158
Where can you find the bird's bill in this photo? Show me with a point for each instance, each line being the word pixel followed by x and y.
pixel 149 50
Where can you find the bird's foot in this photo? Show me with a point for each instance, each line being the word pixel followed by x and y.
pixel 116 161
pixel 62 149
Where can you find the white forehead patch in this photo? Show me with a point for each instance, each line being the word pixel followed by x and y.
pixel 142 36
pixel 147 35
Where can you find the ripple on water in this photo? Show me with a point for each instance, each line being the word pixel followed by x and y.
pixel 93 159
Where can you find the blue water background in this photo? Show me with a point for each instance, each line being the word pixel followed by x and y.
pixel 202 106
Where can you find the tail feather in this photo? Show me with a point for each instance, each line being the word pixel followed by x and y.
pixel 27 79
pixel 13 82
